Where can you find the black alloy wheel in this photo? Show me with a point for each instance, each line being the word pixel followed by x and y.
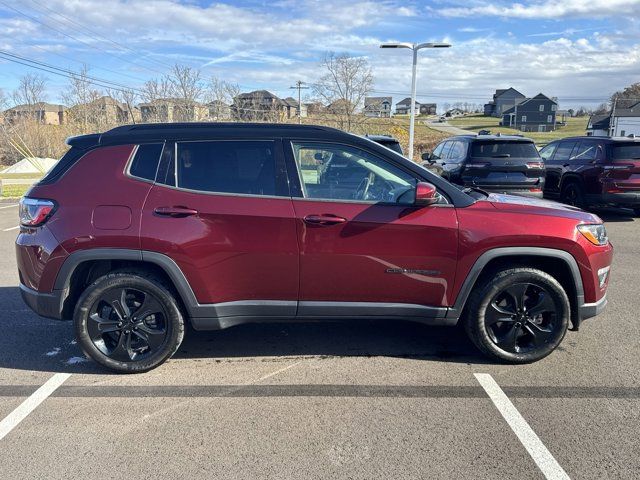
pixel 572 195
pixel 522 317
pixel 127 324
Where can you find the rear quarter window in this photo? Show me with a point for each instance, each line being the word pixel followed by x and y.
pixel 145 161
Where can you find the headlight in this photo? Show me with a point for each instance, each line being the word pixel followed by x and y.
pixel 596 234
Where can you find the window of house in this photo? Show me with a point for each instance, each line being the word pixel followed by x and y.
pixel 524 118
pixel 340 172
pixel 243 167
pixel 549 118
pixel 145 161
pixel 542 107
pixel 554 108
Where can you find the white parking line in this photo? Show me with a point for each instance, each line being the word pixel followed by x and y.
pixel 11 228
pixel 550 468
pixel 31 403
pixel 9 206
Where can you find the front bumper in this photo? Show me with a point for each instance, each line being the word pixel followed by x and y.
pixel 589 310
pixel 44 304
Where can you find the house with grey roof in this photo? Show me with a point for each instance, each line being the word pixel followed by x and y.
pixel 503 100
pixel 403 107
pixel 620 122
pixel 536 114
pixel 377 106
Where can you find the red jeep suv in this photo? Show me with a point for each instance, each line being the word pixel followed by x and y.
pixel 143 228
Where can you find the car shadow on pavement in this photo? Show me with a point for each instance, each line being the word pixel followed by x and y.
pixel 348 338
pixel 33 343
pixel 615 214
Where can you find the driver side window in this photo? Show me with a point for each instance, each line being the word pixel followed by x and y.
pixel 340 172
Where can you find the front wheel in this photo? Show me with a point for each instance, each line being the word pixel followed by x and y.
pixel 128 322
pixel 519 316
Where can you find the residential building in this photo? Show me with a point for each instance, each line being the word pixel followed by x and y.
pixel 503 100
pixel 340 107
pixel 104 111
pixel 172 110
pixel 218 110
pixel 537 114
pixel 314 108
pixel 259 105
pixel 377 106
pixel 45 113
pixel 427 108
pixel 620 122
pixel 454 112
pixel 291 108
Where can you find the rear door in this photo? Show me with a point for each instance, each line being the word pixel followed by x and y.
pixel 551 180
pixel 221 211
pixel 560 164
pixel 508 164
pixel 624 166
pixel 368 244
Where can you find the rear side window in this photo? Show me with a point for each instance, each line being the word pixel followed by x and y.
pixel 625 151
pixel 586 151
pixel 502 149
pixel 244 167
pixel 564 150
pixel 145 161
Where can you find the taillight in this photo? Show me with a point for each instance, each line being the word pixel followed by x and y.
pixel 538 165
pixel 35 211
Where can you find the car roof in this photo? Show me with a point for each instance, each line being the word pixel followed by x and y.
pixel 149 132
pixel 601 138
pixel 472 137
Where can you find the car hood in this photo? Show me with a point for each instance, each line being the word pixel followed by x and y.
pixel 536 206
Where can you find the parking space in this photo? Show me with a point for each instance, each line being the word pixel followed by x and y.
pixel 324 400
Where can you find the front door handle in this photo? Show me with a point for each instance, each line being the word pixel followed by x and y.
pixel 324 219
pixel 175 212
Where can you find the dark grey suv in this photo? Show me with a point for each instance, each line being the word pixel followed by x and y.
pixel 496 163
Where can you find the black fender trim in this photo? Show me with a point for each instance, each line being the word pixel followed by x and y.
pixel 486 257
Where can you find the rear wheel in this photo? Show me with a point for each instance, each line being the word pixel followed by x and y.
pixel 572 194
pixel 128 322
pixel 519 315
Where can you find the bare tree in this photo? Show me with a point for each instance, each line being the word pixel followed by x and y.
pixel 220 95
pixel 82 99
pixel 155 94
pixel 187 90
pixel 347 81
pixel 127 99
pixel 31 90
pixel 3 105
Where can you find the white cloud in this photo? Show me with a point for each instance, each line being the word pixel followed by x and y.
pixel 547 9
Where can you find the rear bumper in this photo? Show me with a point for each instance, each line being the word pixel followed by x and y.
pixel 513 191
pixel 589 310
pixel 44 304
pixel 622 199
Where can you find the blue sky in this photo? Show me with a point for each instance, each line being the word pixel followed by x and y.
pixel 580 51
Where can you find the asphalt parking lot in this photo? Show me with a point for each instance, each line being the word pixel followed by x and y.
pixel 339 400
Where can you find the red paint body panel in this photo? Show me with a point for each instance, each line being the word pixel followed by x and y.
pixel 235 248
pixel 348 262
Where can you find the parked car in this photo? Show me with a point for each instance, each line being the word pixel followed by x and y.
pixel 144 228
pixel 592 171
pixel 495 163
pixel 387 141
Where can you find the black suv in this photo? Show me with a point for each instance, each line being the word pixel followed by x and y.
pixel 387 141
pixel 591 171
pixel 496 163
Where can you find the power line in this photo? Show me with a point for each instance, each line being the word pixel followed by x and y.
pixel 74 38
pixel 95 34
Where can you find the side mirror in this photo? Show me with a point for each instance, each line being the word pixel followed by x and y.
pixel 426 194
pixel 426 156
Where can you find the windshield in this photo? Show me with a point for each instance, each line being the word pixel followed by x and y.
pixel 625 151
pixel 504 149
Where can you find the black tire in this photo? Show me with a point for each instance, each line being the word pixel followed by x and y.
pixel 133 338
pixel 572 194
pixel 502 327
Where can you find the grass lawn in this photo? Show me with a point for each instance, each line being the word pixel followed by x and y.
pixel 474 123
pixel 14 191
pixel 7 176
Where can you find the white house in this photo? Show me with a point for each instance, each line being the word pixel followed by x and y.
pixel 621 122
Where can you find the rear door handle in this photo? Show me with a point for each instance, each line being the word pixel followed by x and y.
pixel 566 165
pixel 324 219
pixel 175 212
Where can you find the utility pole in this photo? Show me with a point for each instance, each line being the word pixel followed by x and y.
pixel 299 86
pixel 612 126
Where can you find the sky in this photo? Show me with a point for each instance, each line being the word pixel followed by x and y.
pixel 577 50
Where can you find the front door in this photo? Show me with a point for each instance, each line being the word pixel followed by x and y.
pixel 221 211
pixel 363 244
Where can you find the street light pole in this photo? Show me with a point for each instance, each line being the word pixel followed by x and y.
pixel 415 47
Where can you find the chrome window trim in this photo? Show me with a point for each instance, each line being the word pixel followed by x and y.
pixel 127 169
